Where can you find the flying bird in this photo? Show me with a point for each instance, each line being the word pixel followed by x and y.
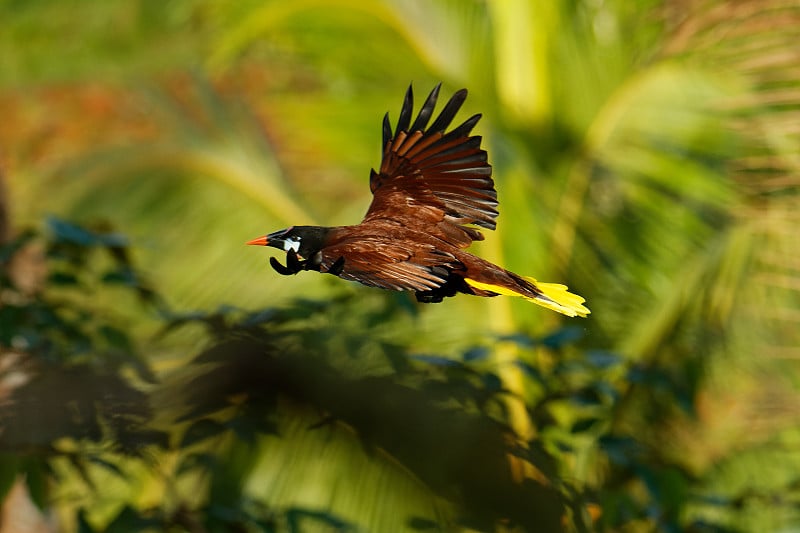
pixel 433 192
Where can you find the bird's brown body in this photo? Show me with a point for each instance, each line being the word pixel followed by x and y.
pixel 424 263
pixel 433 191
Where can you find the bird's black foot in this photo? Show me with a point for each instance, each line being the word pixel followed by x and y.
pixel 293 264
pixel 451 287
pixel 279 268
pixel 429 297
pixel 337 267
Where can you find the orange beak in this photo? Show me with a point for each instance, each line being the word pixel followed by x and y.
pixel 260 241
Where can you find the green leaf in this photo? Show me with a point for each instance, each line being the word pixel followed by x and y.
pixel 115 337
pixel 132 519
pixel 562 337
pixel 477 353
pixel 36 479
pixel 437 360
pixel 83 524
pixel 63 278
pixel 585 424
pixel 201 430
pixel 192 461
pixel 9 468
pixel 602 359
pixel 68 232
pixel 492 382
pixel 108 465
pixel 419 523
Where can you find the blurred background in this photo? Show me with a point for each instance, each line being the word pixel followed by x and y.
pixel 157 375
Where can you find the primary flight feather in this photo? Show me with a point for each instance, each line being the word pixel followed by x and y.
pixel 433 191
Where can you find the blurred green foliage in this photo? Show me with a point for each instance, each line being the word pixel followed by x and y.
pixel 645 153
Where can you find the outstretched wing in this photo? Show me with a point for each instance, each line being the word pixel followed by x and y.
pixel 434 180
pixel 386 263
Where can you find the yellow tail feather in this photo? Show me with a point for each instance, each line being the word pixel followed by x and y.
pixel 554 296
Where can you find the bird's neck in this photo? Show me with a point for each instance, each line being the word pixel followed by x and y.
pixel 313 239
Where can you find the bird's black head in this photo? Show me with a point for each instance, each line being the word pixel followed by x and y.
pixel 303 240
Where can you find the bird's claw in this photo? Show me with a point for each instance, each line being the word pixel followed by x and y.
pixel 337 267
pixel 293 264
pixel 279 268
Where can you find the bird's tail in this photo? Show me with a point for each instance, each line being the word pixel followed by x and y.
pixel 550 295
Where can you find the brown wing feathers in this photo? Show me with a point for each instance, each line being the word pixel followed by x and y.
pixel 432 189
pixel 381 261
pixel 431 186
pixel 448 171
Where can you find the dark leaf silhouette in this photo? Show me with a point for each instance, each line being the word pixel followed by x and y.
pixel 255 377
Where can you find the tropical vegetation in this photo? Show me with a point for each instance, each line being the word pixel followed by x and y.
pixel 156 374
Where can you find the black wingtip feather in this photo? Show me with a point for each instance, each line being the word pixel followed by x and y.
pixel 405 111
pixel 449 112
pixel 427 110
pixel 387 129
pixel 464 129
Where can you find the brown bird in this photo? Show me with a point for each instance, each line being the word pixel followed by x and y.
pixel 432 193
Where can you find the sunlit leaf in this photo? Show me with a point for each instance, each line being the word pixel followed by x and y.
pixel 108 465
